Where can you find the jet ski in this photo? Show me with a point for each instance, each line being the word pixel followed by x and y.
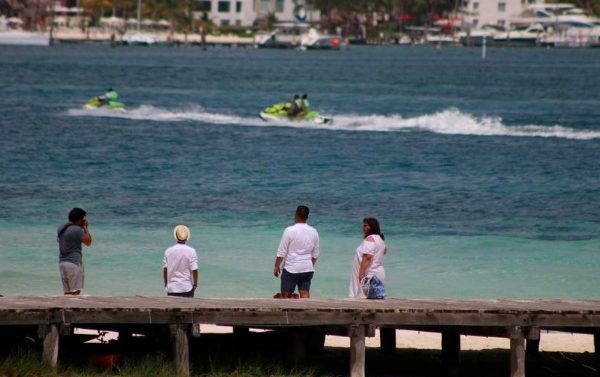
pixel 97 102
pixel 280 112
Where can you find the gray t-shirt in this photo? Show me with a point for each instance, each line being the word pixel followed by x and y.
pixel 69 243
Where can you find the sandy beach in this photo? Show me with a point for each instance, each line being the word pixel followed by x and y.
pixel 407 339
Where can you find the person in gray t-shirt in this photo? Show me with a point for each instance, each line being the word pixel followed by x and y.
pixel 70 236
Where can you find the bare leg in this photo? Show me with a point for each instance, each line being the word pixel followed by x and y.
pixel 304 294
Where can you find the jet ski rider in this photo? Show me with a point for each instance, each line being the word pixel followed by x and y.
pixel 298 106
pixel 293 106
pixel 304 106
pixel 109 96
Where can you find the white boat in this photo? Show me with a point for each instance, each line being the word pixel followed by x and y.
pixel 565 24
pixel 557 16
pixel 297 35
pixel 12 34
pixel 138 39
pixel 475 37
pixel 24 38
pixel 439 38
pixel 521 36
pixel 315 40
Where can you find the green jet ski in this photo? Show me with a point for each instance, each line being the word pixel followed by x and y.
pixel 97 102
pixel 280 112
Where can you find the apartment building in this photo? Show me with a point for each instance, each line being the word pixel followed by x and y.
pixel 245 12
pixel 492 12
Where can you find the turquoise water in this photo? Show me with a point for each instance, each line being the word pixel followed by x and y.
pixel 484 175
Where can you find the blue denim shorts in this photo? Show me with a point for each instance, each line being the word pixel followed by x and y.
pixel 289 281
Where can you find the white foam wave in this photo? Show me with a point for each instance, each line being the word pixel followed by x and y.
pixel 450 121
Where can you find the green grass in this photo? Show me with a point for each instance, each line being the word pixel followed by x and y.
pixel 30 365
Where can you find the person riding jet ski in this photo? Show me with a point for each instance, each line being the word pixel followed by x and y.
pixel 111 95
pixel 303 106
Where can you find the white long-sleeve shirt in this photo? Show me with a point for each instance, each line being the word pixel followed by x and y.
pixel 299 245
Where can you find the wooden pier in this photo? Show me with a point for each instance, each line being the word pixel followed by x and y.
pixel 519 320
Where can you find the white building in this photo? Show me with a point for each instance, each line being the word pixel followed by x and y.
pixel 493 12
pixel 245 12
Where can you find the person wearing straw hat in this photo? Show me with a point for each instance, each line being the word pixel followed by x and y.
pixel 180 265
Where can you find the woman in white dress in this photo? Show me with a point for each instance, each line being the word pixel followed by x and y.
pixel 368 259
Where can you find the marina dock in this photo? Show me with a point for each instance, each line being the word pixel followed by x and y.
pixel 519 320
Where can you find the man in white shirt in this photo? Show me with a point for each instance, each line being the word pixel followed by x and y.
pixel 298 250
pixel 180 265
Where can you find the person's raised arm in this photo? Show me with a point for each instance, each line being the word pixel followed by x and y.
pixel 87 237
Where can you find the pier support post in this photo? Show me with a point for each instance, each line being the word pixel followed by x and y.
pixel 597 350
pixel 532 346
pixel 450 352
pixel 315 341
pixel 50 335
pixel 517 352
pixel 181 349
pixel 357 351
pixel 387 339
pixel 296 351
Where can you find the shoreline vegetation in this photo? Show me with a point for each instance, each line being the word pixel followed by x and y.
pixel 218 352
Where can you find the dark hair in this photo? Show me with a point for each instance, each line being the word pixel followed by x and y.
pixel 302 212
pixel 304 96
pixel 373 227
pixel 76 214
pixel 296 96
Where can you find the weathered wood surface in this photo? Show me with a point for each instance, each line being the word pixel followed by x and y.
pixel 357 351
pixel 50 335
pixel 181 350
pixel 517 353
pixel 26 310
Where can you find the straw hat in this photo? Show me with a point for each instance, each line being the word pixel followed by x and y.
pixel 182 233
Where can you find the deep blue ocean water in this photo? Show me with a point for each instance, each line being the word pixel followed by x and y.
pixel 485 175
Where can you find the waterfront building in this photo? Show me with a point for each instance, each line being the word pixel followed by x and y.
pixel 246 12
pixel 493 12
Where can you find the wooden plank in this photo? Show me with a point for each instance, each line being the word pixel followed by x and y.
pixel 34 310
pixel 517 352
pixel 357 351
pixel 181 349
pixel 50 344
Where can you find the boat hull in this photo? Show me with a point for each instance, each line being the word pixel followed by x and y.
pixel 318 119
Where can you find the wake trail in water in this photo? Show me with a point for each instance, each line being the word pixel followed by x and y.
pixel 450 122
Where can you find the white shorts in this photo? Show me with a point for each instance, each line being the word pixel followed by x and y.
pixel 71 275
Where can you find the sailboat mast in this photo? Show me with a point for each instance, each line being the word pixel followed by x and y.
pixel 139 14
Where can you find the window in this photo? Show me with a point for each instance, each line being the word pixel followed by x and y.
pixel 238 23
pixel 475 23
pixel 501 23
pixel 206 6
pixel 224 22
pixel 238 7
pixel 223 6
pixel 265 6
pixel 475 5
pixel 501 7
pixel 279 6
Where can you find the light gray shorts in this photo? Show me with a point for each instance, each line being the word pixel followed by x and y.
pixel 71 275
